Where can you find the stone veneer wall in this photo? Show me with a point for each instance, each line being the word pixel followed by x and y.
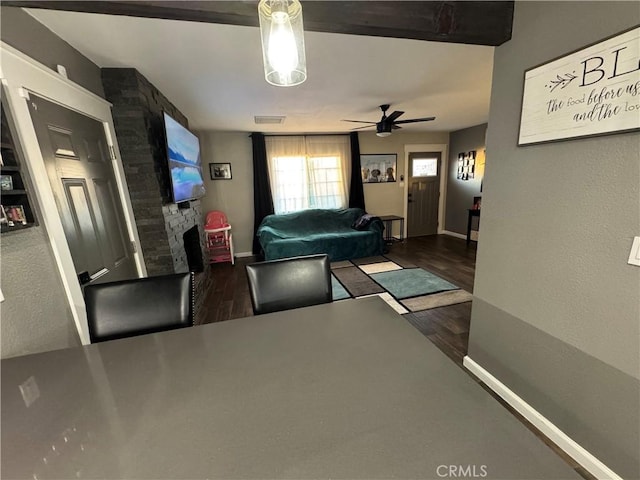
pixel 137 115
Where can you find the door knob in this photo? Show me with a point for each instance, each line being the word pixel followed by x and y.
pixel 84 278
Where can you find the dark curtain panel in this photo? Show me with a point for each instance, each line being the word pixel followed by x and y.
pixel 356 190
pixel 262 198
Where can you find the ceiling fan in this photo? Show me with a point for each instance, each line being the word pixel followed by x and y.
pixel 389 123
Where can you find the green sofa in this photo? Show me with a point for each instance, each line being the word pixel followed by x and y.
pixel 320 231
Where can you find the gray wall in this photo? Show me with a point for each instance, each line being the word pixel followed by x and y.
pixel 556 311
pixel 28 268
pixel 22 31
pixel 35 316
pixel 460 193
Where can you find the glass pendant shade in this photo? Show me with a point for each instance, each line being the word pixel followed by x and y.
pixel 282 33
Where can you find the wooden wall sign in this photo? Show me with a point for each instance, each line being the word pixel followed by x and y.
pixel 593 91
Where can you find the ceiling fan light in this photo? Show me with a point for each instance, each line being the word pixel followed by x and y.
pixel 383 134
pixel 282 32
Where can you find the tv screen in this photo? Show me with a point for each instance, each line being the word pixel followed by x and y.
pixel 183 152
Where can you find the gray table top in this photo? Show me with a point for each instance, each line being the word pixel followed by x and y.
pixel 344 390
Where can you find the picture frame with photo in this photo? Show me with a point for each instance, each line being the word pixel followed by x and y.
pixel 3 217
pixel 220 171
pixel 378 168
pixel 6 182
pixel 15 215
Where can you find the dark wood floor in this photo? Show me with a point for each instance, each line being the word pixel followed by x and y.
pixel 443 255
pixel 447 327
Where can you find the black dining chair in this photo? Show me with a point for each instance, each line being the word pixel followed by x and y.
pixel 295 282
pixel 142 305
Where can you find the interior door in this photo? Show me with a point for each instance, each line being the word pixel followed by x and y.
pixel 74 148
pixel 424 194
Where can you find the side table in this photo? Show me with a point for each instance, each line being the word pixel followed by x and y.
pixel 388 226
pixel 472 213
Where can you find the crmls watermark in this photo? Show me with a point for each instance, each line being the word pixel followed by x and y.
pixel 461 471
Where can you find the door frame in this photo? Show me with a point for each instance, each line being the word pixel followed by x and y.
pixel 444 170
pixel 20 75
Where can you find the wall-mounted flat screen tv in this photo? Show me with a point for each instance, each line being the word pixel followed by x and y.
pixel 183 152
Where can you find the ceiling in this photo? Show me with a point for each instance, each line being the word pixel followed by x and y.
pixel 213 73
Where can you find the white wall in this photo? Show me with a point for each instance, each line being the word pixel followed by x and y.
pixel 234 197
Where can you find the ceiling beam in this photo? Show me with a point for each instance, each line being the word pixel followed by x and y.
pixel 470 22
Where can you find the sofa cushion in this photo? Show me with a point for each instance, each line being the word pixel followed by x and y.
pixel 362 223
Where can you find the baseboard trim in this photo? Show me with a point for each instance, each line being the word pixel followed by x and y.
pixel 557 436
pixel 454 234
pixel 243 254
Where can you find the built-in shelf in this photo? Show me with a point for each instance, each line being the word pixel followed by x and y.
pixel 16 204
pixel 4 228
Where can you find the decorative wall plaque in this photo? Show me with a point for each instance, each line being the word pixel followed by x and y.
pixel 593 91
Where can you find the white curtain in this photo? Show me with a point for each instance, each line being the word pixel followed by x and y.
pixel 309 171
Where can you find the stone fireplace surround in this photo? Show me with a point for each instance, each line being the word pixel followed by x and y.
pixel 137 115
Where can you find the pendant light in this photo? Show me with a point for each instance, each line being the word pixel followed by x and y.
pixel 285 64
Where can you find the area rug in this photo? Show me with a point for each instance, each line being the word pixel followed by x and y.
pixel 406 288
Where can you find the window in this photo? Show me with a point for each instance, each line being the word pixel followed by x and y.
pixel 308 172
pixel 290 189
pixel 424 167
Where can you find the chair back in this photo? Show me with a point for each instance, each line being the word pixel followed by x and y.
pixel 215 219
pixel 288 283
pixel 142 305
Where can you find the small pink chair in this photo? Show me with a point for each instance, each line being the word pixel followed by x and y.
pixel 219 238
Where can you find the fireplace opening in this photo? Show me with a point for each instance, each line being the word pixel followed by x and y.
pixel 193 249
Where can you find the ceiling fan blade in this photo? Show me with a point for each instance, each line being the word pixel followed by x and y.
pixel 395 127
pixel 360 128
pixel 414 120
pixel 393 116
pixel 359 121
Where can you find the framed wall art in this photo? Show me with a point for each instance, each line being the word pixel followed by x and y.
pixel 378 168
pixel 466 165
pixel 220 171
pixel 592 91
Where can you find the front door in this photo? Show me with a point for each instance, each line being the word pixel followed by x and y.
pixel 424 194
pixel 76 155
